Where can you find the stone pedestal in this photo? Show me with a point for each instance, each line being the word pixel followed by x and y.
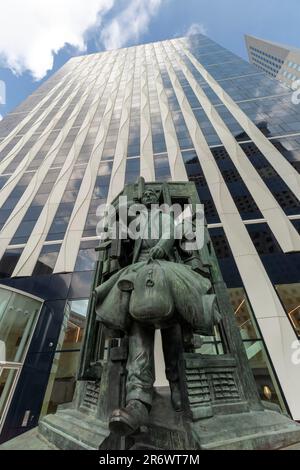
pixel 260 430
pixel 78 429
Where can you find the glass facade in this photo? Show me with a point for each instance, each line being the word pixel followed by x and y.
pixel 62 378
pixel 278 61
pixel 18 317
pixel 152 110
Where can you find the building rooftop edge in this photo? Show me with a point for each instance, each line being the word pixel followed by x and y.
pixel 137 45
pixel 273 43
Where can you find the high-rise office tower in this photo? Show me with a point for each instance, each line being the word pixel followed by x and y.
pixel 278 61
pixel 178 110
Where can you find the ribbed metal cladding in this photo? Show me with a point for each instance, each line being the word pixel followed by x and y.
pixel 257 283
pixel 20 209
pixel 65 86
pixel 147 162
pixel 68 253
pixel 286 171
pixel 31 252
pixel 284 231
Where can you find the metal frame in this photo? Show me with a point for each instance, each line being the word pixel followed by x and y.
pixel 17 291
pixel 18 366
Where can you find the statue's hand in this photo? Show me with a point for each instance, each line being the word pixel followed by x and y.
pixel 157 253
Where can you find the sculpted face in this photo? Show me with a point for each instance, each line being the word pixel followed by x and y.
pixel 149 198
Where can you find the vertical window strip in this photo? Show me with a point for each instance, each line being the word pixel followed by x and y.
pixel 283 168
pixel 103 180
pixel 48 114
pixel 97 77
pixel 33 114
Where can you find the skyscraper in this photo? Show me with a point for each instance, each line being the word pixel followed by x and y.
pixel 278 61
pixel 184 109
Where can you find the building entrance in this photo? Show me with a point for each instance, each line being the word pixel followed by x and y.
pixel 19 313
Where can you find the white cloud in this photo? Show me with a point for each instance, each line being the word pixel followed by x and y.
pixel 1 117
pixel 31 31
pixel 2 92
pixel 196 28
pixel 130 23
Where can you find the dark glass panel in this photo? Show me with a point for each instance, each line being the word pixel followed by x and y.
pixel 47 260
pixel 9 261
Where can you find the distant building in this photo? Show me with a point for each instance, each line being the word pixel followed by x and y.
pixel 278 61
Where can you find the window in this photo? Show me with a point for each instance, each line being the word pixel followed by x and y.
pixel 243 314
pixel 132 170
pixel 18 317
pixel 90 229
pixel 289 295
pixel 162 167
pixel 9 262
pixel 288 201
pixel 221 246
pixel 262 370
pixel 8 377
pixel 62 381
pixel 263 239
pixel 58 228
pixel 247 206
pixel 86 259
pixel 47 260
pixel 23 232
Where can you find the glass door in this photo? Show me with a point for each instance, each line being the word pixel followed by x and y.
pixel 18 317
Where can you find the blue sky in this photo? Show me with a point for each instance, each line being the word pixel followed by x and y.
pixel 70 28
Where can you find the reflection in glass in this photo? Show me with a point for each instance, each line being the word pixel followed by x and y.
pixel 262 370
pixel 243 314
pixel 86 260
pixel 47 260
pixel 75 316
pixel 290 297
pixel 263 374
pixel 17 317
pixel 9 261
pixel 62 379
pixel 7 381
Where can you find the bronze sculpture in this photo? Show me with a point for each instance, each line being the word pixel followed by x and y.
pixel 221 407
pixel 157 290
pixel 117 359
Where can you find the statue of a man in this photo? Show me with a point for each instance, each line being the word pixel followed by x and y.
pixel 154 292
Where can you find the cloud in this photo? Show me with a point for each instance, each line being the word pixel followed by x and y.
pixel 130 23
pixel 2 92
pixel 1 117
pixel 31 31
pixel 196 28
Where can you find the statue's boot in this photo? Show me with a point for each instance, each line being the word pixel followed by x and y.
pixel 128 420
pixel 176 396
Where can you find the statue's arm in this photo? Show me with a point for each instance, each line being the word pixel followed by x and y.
pixel 165 245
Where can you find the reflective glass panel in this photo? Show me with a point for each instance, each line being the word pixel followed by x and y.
pixel 7 381
pixel 62 379
pixel 290 297
pixel 263 374
pixel 243 314
pixel 17 318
